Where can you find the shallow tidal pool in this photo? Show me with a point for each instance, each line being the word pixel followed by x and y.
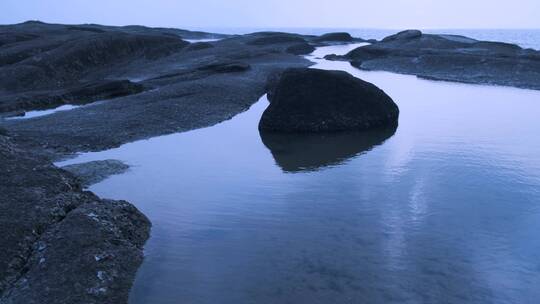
pixel 445 209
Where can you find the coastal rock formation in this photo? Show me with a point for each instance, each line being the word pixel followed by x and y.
pixel 302 48
pixel 163 84
pixel 198 46
pixel 335 37
pixel 78 94
pixel 311 100
pixel 61 244
pixel 269 38
pixel 49 64
pixel 96 171
pixel 404 35
pixel 450 58
pixel 300 152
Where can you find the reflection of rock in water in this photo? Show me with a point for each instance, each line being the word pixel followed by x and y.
pixel 296 152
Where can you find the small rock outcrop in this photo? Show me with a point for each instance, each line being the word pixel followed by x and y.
pixel 335 37
pixel 226 67
pixel 302 48
pixel 271 38
pixel 93 172
pixel 197 46
pixel 311 100
pixel 404 35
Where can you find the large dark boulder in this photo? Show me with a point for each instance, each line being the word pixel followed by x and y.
pixel 335 37
pixel 311 100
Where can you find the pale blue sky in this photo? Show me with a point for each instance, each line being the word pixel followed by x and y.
pixel 394 14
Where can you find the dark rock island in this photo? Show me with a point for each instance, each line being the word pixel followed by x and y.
pixel 450 58
pixel 311 100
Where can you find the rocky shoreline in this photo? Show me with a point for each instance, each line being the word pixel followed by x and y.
pixel 62 244
pixel 450 58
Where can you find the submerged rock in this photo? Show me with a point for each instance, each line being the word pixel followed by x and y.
pixel 96 171
pixel 298 152
pixel 311 100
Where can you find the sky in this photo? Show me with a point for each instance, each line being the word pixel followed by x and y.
pixel 390 14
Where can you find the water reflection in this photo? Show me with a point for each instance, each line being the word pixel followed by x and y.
pixel 297 152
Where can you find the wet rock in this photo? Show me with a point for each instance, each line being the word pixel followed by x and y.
pixel 197 46
pixel 335 37
pixel 301 49
pixel 226 67
pixel 96 171
pixel 299 152
pixel 183 90
pixel 68 62
pixel 311 100
pixel 404 35
pixel 52 231
pixel 450 58
pixel 81 94
pixel 275 38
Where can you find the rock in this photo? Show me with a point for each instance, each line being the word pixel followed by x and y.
pixel 301 49
pixel 450 58
pixel 64 65
pixel 96 171
pixel 81 94
pixel 404 35
pixel 52 231
pixel 311 100
pixel 180 93
pixel 226 67
pixel 276 39
pixel 199 46
pixel 335 37
pixel 299 152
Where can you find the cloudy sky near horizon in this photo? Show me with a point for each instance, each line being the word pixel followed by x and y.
pixel 391 14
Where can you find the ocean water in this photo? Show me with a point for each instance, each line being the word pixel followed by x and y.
pixel 444 209
pixel 526 38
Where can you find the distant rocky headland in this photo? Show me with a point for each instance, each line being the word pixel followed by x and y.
pixel 62 244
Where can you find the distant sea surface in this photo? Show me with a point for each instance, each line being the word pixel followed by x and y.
pixel 526 38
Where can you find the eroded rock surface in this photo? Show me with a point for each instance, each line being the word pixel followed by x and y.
pixel 96 171
pixel 311 100
pixel 61 244
pixel 450 58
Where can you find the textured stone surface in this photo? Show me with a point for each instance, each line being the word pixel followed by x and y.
pixel 311 100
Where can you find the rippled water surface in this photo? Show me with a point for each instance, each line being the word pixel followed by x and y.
pixel 446 209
